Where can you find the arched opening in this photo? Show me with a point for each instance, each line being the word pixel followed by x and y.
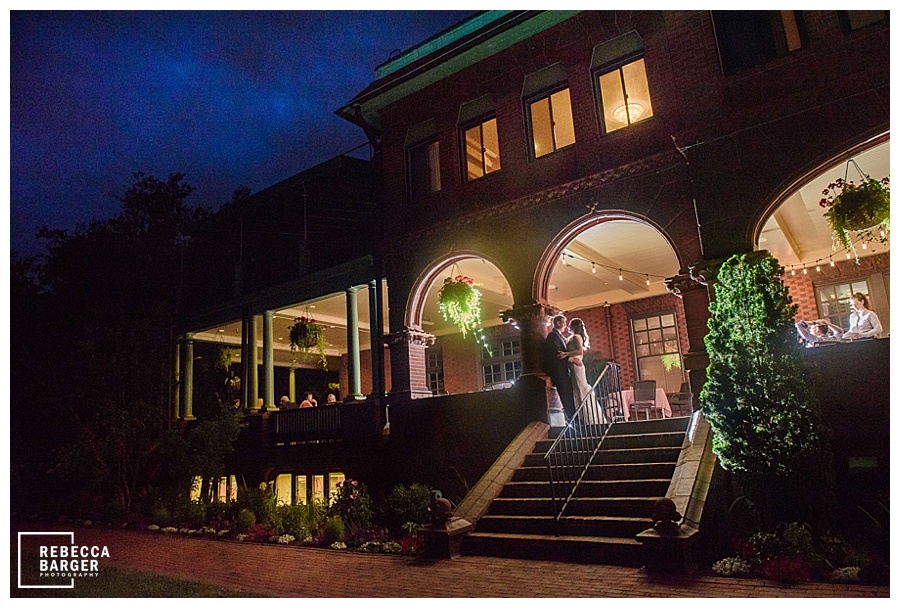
pixel 820 273
pixel 485 359
pixel 609 271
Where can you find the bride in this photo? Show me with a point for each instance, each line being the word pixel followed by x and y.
pixel 577 345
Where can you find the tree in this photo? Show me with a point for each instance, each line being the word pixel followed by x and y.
pixel 757 398
pixel 94 323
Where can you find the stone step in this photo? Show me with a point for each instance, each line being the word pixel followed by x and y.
pixel 609 456
pixel 650 426
pixel 575 525
pixel 620 441
pixel 616 487
pixel 605 472
pixel 586 506
pixel 577 549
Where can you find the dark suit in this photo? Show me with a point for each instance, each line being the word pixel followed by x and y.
pixel 558 370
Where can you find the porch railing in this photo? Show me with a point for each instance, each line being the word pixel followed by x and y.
pixel 308 424
pixel 574 450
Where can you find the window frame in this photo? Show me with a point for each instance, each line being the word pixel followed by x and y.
pixel 435 369
pixel 778 39
pixel 501 360
pixel 613 66
pixel 842 321
pixel 634 345
pixel 423 145
pixel 464 147
pixel 547 94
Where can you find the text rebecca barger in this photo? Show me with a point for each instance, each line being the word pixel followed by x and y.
pixel 70 561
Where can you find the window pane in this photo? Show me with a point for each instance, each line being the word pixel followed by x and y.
pixel 300 490
pixel 656 348
pixel 491 146
pixel 283 490
pixel 826 294
pixel 643 350
pixel 669 333
pixel 860 287
pixel 652 322
pixel 473 153
pixel 640 324
pixel 655 335
pixel 639 107
pixel 640 337
pixel 613 99
pixel 318 487
pixel 541 130
pixel 843 292
pixel 668 320
pixel 563 128
pixel 791 31
pixel 671 346
pixel 333 480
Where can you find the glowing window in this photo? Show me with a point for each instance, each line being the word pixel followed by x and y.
pixel 625 96
pixel 552 127
pixel 482 149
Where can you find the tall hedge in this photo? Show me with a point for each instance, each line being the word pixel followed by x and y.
pixel 757 396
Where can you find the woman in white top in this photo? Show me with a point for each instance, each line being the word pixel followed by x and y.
pixel 863 322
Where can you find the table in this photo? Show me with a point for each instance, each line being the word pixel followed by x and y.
pixel 661 399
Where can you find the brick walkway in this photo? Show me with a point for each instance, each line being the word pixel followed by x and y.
pixel 305 572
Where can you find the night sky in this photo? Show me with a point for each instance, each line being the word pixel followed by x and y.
pixel 228 98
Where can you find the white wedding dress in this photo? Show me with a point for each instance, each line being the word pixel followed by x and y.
pixel 580 386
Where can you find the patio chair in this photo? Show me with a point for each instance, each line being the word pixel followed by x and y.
pixel 682 402
pixel 645 398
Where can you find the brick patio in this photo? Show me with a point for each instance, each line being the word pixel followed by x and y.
pixel 305 572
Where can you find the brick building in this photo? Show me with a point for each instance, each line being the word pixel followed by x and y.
pixel 597 163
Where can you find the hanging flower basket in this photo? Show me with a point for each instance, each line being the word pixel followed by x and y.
pixel 460 303
pixel 864 208
pixel 307 335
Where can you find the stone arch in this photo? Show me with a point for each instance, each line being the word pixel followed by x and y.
pixel 544 270
pixel 416 302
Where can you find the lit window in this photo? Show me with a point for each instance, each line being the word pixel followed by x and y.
pixel 551 123
pixel 300 489
pixel 434 369
pixel 834 301
pixel 657 350
pixel 482 149
pixel 334 480
pixel 501 363
pixel 625 96
pixel 283 489
pixel 424 170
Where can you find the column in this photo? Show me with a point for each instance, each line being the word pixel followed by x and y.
pixel 245 363
pixel 269 360
pixel 292 384
pixel 408 362
pixel 694 293
pixel 176 394
pixel 252 364
pixel 187 394
pixel 376 338
pixel 353 374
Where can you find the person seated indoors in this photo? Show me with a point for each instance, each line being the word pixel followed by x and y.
pixel 819 331
pixel 331 399
pixel 308 401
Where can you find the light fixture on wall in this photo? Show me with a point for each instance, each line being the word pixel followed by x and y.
pixel 626 111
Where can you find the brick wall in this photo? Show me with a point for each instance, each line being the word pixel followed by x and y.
pixel 365 367
pixel 802 287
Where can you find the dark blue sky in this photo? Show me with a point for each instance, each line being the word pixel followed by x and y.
pixel 227 98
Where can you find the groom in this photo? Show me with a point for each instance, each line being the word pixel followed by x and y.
pixel 558 369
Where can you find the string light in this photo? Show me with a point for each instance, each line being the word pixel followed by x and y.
pixel 882 233
pixel 648 280
pixel 831 262
pixel 818 268
pixel 848 255
pixel 793 272
pixel 564 255
pixel 621 278
pixel 804 270
pixel 864 244
pixel 593 268
pixel 563 259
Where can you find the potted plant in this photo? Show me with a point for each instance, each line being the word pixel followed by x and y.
pixel 306 335
pixel 863 208
pixel 460 303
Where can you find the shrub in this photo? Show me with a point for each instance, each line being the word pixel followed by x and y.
pixel 192 514
pixel 161 516
pixel 352 504
pixel 244 521
pixel 731 566
pixel 261 500
pixel 294 520
pixel 404 505
pixel 332 531
pixel 788 569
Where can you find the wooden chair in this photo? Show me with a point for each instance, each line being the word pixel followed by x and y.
pixel 682 402
pixel 644 398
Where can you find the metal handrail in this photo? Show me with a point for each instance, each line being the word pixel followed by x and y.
pixel 574 450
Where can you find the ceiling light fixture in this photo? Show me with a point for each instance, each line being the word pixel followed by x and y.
pixel 632 111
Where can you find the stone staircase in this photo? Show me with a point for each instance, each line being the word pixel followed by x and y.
pixel 632 469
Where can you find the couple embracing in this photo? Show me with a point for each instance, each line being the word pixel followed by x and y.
pixel 564 362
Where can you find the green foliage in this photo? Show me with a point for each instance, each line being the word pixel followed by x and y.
pixel 405 505
pixel 261 501
pixel 161 516
pixel 757 395
pixel 244 520
pixel 295 520
pixel 191 514
pixel 865 207
pixel 460 303
pixel 352 503
pixel 332 531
